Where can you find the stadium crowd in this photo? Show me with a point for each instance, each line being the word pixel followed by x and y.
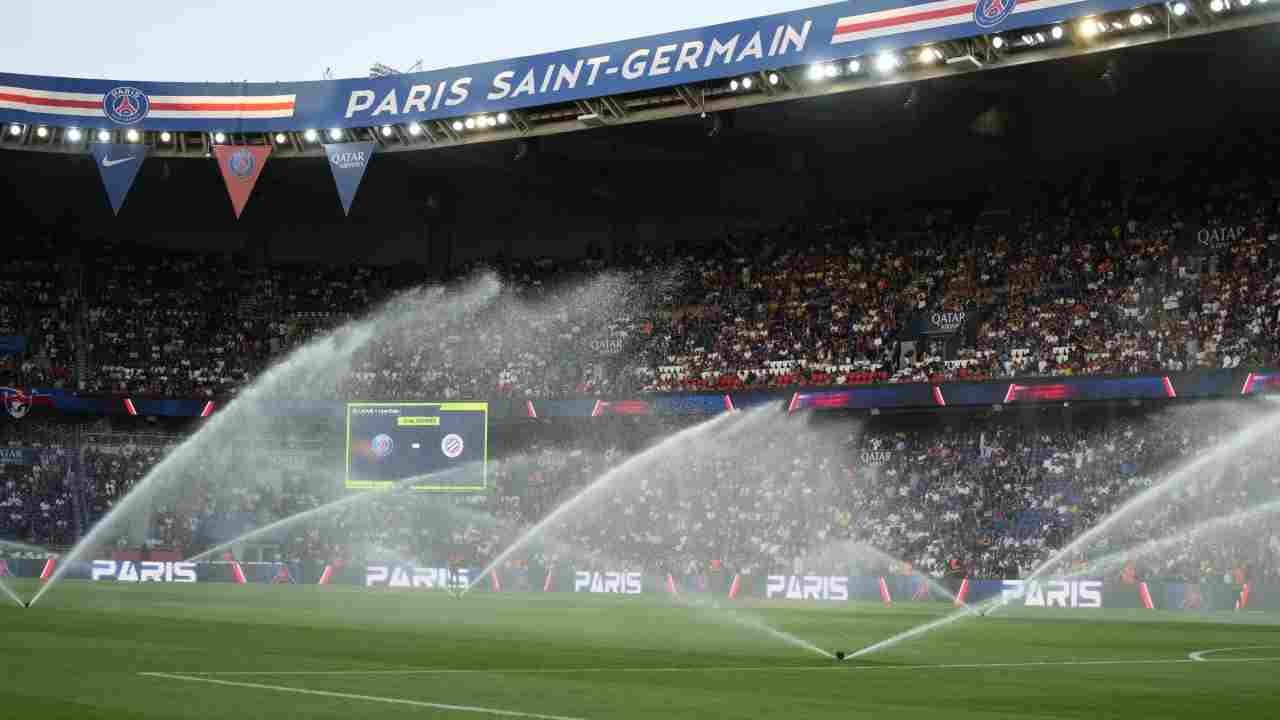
pixel 1169 269
pixel 994 497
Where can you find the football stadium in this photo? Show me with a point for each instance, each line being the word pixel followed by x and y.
pixel 887 358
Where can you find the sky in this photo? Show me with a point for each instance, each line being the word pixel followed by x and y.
pixel 282 40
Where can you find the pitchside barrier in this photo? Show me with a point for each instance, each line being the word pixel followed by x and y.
pixel 1072 593
pixel 1080 593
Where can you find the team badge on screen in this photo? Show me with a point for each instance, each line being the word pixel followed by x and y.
pixel 451 445
pixel 382 446
pixel 126 105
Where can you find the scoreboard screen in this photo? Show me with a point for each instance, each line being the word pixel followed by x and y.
pixel 415 444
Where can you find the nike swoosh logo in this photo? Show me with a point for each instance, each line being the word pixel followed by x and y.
pixel 108 162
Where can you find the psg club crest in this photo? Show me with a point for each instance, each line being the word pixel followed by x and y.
pixel 126 105
pixel 989 13
pixel 17 403
pixel 382 446
pixel 241 164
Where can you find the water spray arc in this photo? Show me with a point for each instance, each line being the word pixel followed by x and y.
pixel 679 440
pixel 1152 547
pixel 327 508
pixel 1266 427
pixel 1178 479
pixel 11 594
pixel 324 358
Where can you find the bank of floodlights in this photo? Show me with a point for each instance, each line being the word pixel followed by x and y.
pixel 887 62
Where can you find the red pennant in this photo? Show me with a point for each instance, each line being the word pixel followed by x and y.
pixel 240 166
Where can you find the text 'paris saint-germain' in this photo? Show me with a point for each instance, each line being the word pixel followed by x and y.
pixel 664 60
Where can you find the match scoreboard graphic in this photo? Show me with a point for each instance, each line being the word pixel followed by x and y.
pixel 423 446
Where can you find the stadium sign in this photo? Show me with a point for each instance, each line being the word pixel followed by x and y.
pixel 875 458
pixel 807 587
pixel 413 577
pixel 621 583
pixel 1210 239
pixel 144 571
pixel 944 323
pixel 822 34
pixel 18 456
pixel 1053 593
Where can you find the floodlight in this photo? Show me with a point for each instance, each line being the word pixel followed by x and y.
pixel 310 135
pixel 335 134
pixel 131 135
pixel 103 136
pixel 886 62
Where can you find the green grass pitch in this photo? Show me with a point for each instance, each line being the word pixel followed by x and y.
pixel 226 652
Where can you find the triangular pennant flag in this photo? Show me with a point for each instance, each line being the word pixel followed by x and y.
pixel 348 162
pixel 119 165
pixel 240 166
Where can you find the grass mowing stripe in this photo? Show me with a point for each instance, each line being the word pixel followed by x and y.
pixel 1193 657
pixel 369 698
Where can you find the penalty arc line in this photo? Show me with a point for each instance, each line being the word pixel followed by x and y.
pixel 1200 655
pixel 354 696
pixel 748 668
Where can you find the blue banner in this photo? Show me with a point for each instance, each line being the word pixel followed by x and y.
pixel 822 34
pixel 348 161
pixel 12 344
pixel 119 165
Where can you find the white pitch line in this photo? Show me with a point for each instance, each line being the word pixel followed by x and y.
pixel 748 668
pixel 369 698
pixel 1199 655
